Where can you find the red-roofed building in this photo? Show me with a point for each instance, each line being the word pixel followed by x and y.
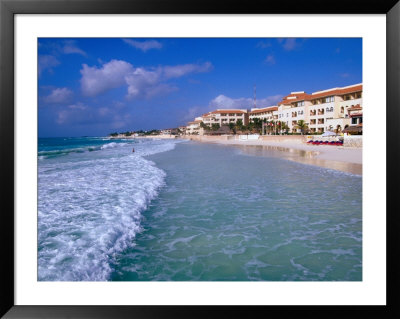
pixel 321 110
pixel 265 113
pixel 193 128
pixel 332 109
pixel 226 116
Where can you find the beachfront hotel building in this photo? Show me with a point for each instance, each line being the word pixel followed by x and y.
pixel 225 117
pixel 266 113
pixel 193 128
pixel 328 110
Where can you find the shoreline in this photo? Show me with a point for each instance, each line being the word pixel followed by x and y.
pixel 345 159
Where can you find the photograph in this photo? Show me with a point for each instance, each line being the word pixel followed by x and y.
pixel 200 159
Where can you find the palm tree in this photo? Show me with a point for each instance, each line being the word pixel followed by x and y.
pixel 284 127
pixel 239 125
pixel 257 125
pixel 232 127
pixel 302 126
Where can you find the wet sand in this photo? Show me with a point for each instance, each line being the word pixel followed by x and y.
pixel 334 157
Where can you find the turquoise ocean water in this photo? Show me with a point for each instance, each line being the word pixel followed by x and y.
pixel 186 211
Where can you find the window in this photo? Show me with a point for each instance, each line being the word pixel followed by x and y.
pixel 329 99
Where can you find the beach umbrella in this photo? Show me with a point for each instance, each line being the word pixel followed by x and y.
pixel 329 133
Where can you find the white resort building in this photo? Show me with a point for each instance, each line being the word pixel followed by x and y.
pixel 226 116
pixel 266 113
pixel 334 109
pixel 326 110
pixel 193 128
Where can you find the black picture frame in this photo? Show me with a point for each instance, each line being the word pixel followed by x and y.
pixel 8 8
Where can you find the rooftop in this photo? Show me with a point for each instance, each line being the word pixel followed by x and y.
pixel 302 96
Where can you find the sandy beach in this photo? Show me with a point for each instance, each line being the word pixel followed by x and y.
pixel 340 158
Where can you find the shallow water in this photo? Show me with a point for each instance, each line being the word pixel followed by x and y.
pixel 222 215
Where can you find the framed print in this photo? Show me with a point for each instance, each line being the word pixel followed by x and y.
pixel 119 198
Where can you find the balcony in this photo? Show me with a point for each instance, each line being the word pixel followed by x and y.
pixel 313 113
pixel 349 103
pixel 321 112
pixel 320 121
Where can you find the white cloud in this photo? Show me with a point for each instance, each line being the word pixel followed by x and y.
pixel 58 96
pixel 98 80
pixel 144 45
pixel 140 82
pixel 193 112
pixel 224 102
pixel 71 48
pixel 181 70
pixel 46 62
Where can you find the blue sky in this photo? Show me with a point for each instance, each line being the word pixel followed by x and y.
pixel 92 87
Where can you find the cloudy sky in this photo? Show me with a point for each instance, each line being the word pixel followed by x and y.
pixel 93 87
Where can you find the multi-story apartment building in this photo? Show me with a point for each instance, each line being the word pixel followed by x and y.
pixel 225 117
pixel 293 108
pixel 193 127
pixel 266 113
pixel 321 110
pixel 332 109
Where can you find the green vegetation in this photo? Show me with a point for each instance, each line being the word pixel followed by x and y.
pixel 204 126
pixel 302 126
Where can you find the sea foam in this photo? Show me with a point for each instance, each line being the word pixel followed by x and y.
pixel 89 208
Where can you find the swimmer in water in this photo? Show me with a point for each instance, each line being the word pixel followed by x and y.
pixel 133 149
